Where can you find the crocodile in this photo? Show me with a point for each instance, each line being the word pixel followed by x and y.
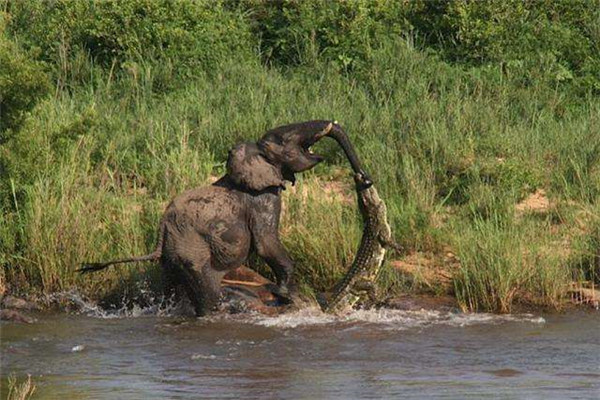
pixel 357 289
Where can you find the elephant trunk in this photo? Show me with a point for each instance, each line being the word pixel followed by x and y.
pixel 340 136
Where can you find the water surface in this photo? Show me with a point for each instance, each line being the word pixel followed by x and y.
pixel 307 355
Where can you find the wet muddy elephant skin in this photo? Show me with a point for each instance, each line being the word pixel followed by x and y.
pixel 208 231
pixel 211 230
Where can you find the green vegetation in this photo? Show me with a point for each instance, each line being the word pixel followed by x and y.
pixel 460 110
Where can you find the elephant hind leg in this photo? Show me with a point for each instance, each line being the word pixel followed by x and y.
pixel 173 282
pixel 188 258
pixel 203 287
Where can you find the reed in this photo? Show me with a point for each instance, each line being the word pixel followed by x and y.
pixel 19 390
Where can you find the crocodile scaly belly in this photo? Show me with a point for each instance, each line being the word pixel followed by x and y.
pixel 358 287
pixel 362 292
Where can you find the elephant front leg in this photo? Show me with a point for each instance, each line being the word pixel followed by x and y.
pixel 265 211
pixel 270 249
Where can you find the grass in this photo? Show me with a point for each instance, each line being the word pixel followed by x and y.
pixel 502 260
pixel 451 151
pixel 19 390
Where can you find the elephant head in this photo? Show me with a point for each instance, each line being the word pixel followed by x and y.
pixel 284 151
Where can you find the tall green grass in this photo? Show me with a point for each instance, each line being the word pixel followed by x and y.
pixel 451 149
pixel 503 261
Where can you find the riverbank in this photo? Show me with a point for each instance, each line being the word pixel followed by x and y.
pixel 411 279
pixel 485 147
pixel 28 309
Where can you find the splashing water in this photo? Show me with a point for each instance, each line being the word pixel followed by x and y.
pixel 389 318
pixel 306 317
pixel 306 354
pixel 148 305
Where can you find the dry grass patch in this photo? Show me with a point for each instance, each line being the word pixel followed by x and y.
pixel 20 390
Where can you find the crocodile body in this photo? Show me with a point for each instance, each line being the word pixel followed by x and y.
pixel 357 288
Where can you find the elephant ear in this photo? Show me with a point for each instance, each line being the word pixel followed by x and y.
pixel 248 167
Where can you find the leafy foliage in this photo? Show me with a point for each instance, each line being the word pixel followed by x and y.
pixel 544 42
pixel 22 84
pixel 182 38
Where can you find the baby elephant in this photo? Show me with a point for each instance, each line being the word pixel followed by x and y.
pixel 208 231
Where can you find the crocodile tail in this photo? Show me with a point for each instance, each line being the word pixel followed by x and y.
pixel 343 284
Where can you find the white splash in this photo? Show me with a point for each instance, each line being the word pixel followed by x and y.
pixel 203 357
pixel 305 317
pixel 389 319
pixel 78 348
pixel 153 305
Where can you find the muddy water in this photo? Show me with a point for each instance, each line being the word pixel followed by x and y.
pixel 306 355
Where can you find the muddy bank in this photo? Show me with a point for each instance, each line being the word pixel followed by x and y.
pixel 246 291
pixel 17 309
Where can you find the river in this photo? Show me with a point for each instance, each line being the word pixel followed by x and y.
pixel 307 355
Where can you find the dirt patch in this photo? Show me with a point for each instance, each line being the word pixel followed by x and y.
pixel 331 191
pixel 536 203
pixel 422 302
pixel 14 309
pixel 338 191
pixel 17 303
pixel 431 271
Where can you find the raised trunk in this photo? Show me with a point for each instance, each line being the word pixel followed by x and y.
pixel 340 136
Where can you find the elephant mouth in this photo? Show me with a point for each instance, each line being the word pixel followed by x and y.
pixel 310 154
pixel 311 140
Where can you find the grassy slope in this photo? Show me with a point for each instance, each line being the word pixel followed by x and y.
pixel 452 151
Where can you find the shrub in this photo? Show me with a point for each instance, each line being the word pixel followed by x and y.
pixel 554 43
pixel 341 32
pixel 22 84
pixel 539 41
pixel 189 37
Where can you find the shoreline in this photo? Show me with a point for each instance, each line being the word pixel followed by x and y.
pixel 25 308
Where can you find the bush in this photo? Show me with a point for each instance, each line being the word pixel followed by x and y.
pixel 22 84
pixel 187 37
pixel 534 42
pixel 341 32
pixel 550 42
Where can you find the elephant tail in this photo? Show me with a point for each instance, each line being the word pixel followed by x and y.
pixel 155 255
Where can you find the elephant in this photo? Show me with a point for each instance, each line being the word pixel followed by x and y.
pixel 207 231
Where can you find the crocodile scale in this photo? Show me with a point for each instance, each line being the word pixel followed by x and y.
pixel 358 286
